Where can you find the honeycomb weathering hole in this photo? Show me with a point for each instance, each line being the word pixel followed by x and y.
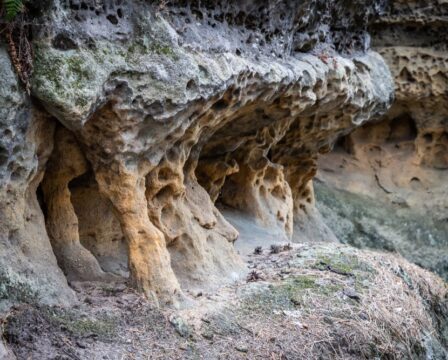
pixel 403 128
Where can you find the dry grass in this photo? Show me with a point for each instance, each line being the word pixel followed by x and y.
pixel 314 302
pixel 393 319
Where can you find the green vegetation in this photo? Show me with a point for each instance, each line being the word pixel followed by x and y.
pixel 12 8
pixel 17 32
pixel 104 326
pixel 342 264
pixel 288 295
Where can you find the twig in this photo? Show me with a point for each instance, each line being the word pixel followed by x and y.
pixel 339 272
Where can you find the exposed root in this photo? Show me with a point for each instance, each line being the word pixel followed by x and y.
pixel 20 49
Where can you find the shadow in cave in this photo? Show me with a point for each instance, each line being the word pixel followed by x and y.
pixel 99 229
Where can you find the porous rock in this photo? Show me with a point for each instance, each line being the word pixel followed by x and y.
pixel 168 111
pixel 394 172
pixel 28 271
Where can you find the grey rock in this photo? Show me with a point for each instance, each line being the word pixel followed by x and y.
pixel 149 92
pixel 28 268
pixel 181 326
pixel 5 353
pixel 242 348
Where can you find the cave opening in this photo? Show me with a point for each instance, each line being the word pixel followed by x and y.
pixel 343 144
pixel 402 129
pixel 41 201
pixel 72 206
pixel 99 229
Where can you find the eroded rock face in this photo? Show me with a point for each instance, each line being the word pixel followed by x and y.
pixel 99 228
pixel 419 63
pixel 28 268
pixel 167 110
pixel 67 163
pixel 399 165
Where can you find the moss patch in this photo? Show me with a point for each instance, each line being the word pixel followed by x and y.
pixel 287 295
pixel 145 47
pixel 104 327
pixel 344 264
pixel 62 76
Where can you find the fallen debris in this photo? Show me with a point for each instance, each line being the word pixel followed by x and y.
pixel 254 276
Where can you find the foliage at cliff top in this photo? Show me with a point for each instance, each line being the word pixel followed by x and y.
pixel 11 8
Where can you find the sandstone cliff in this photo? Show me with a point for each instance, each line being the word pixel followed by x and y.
pixel 393 173
pixel 158 148
pixel 146 115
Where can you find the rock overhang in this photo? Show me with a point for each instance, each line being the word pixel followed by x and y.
pixel 151 106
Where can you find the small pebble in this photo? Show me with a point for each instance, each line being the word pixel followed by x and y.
pixel 241 348
pixel 207 335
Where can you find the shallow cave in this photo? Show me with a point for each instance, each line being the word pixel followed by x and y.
pixel 402 129
pixel 343 144
pixel 72 206
pixel 99 229
pixel 41 200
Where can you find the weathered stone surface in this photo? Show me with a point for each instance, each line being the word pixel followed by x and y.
pixel 167 109
pixel 28 268
pixel 395 172
pixel 5 353
pixel 174 146
pixel 99 228
pixel 65 164
pixel 419 62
